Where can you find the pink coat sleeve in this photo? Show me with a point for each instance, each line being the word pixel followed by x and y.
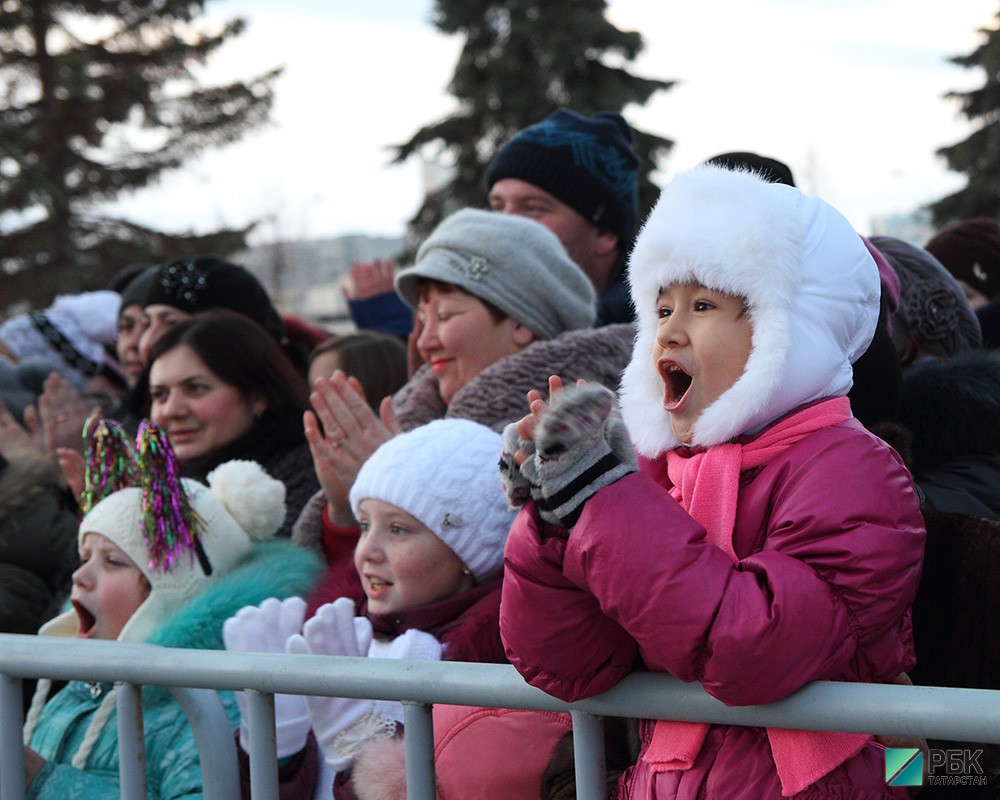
pixel 826 595
pixel 553 631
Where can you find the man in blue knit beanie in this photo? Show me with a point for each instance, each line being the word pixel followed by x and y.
pixel 577 176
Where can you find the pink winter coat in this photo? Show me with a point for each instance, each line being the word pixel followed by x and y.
pixel 830 541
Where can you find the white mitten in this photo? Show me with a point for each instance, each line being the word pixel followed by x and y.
pixel 265 629
pixel 342 725
pixel 414 645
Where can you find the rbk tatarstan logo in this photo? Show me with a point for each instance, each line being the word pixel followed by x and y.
pixel 904 766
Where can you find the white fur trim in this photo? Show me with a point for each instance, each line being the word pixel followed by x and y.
pixel 252 497
pixel 379 771
pixel 811 287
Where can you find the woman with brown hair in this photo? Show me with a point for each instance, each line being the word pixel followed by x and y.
pixel 222 389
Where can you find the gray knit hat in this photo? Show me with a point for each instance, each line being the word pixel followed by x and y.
pixel 514 263
pixel 444 473
pixel 932 305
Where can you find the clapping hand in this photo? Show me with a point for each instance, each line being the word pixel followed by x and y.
pixel 567 449
pixel 343 432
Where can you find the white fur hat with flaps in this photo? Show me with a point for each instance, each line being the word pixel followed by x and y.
pixel 810 285
pixel 182 535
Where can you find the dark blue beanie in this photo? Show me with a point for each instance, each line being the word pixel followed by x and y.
pixel 586 162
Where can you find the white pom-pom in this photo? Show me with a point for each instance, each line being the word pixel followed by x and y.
pixel 252 497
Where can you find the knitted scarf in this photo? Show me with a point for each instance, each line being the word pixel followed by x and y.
pixel 706 484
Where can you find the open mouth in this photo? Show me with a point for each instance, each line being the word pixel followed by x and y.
pixel 85 620
pixel 676 382
pixel 377 586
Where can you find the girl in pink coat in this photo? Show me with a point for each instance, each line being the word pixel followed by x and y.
pixel 757 537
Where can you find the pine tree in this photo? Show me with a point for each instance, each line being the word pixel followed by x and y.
pixel 99 99
pixel 522 60
pixel 979 155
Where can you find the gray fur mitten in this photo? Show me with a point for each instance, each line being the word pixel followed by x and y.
pixel 581 445
pixel 515 486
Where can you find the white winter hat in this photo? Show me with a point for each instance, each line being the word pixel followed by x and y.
pixel 241 504
pixel 810 285
pixel 445 475
pixel 73 331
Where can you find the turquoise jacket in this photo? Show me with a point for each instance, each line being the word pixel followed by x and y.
pixel 275 569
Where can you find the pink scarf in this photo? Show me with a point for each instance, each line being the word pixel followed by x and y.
pixel 707 485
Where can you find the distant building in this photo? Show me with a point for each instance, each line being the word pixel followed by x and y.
pixel 913 228
pixel 306 277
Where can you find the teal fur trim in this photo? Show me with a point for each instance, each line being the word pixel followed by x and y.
pixel 275 568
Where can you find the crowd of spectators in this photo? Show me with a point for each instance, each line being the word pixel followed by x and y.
pixel 738 442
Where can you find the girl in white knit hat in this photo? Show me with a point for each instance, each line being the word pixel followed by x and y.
pixel 164 562
pixel 433 524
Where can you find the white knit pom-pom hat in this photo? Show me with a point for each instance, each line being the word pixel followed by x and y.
pixel 73 332
pixel 240 505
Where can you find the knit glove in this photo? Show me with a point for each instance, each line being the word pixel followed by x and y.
pixel 581 445
pixel 265 629
pixel 341 724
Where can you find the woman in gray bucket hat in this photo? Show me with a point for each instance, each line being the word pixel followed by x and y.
pixel 506 281
pixel 499 304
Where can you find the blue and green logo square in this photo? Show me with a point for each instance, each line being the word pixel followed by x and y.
pixel 904 766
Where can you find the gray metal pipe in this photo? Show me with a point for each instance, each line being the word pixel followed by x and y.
pixel 213 734
pixel 588 756
pixel 928 712
pixel 940 713
pixel 11 746
pixel 418 724
pixel 131 742
pixel 263 746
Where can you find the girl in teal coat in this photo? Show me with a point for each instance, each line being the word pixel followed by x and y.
pixel 168 573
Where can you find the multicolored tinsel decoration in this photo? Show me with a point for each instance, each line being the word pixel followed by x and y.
pixel 110 461
pixel 170 526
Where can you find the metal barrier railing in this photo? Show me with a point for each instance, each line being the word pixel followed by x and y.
pixel 928 712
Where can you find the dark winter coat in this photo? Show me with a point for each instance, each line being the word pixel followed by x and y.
pixel 951 408
pixel 289 461
pixel 38 528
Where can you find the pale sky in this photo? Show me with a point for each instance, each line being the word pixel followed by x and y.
pixel 848 93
